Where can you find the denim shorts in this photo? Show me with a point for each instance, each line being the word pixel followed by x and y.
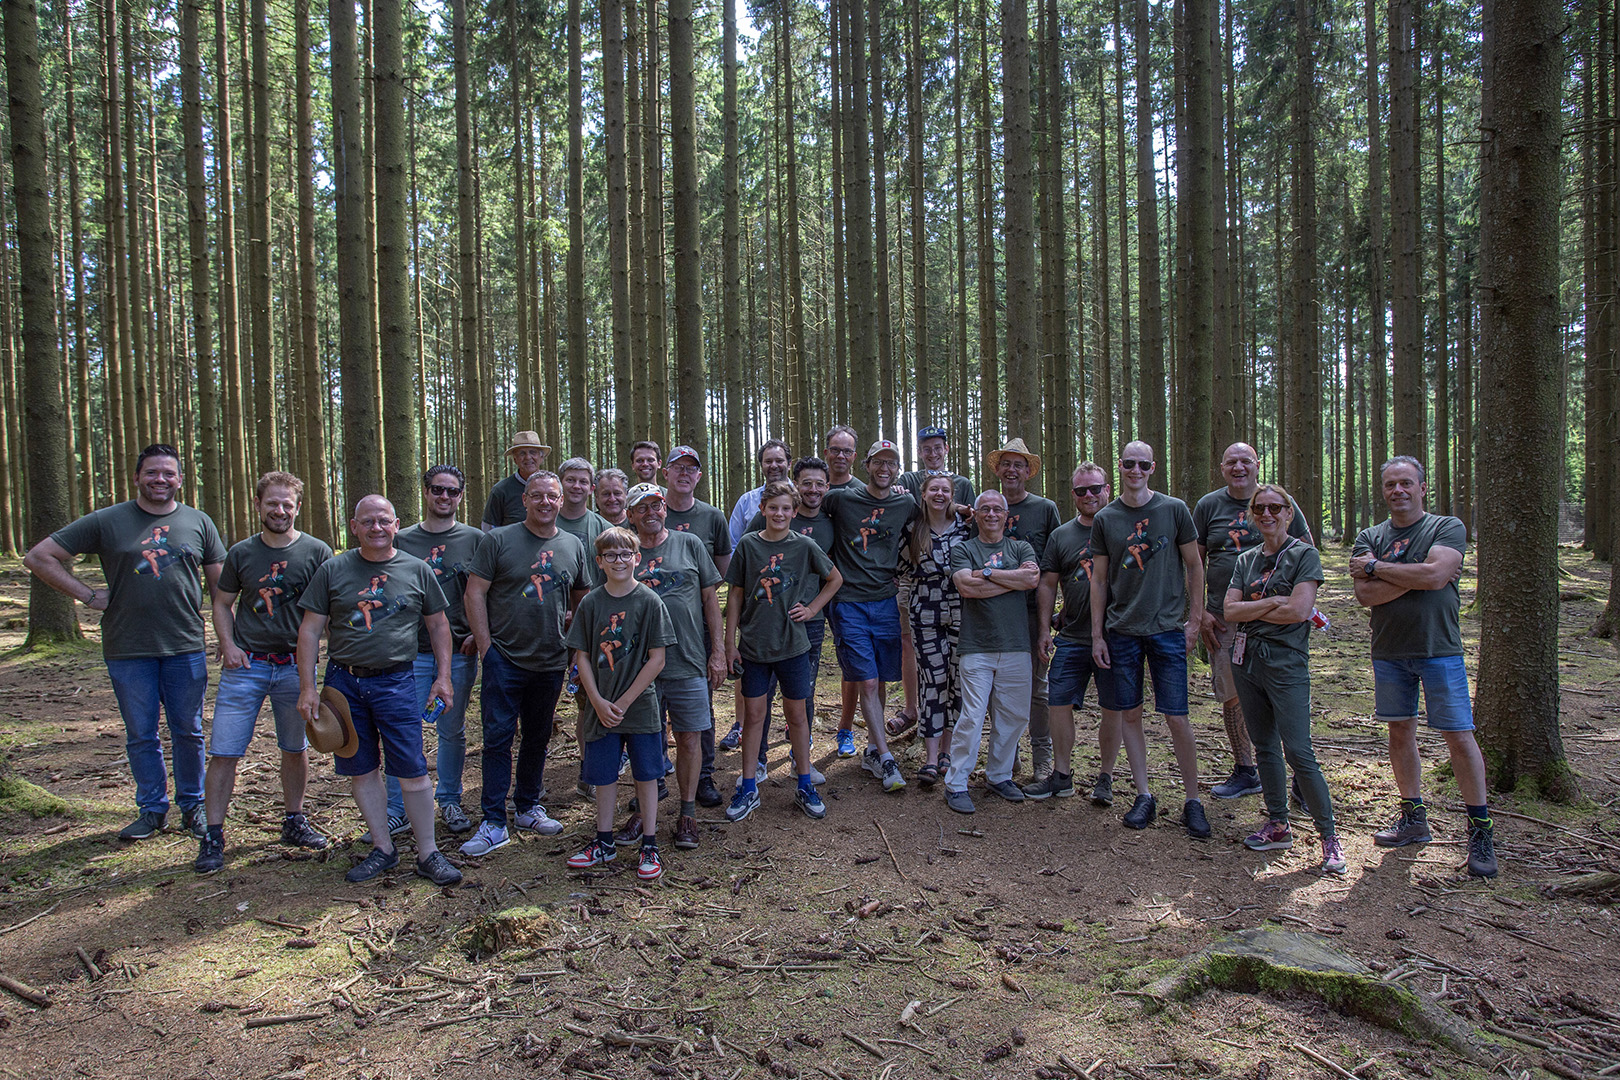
pixel 796 676
pixel 1165 655
pixel 685 703
pixel 1444 680
pixel 867 639
pixel 383 709
pixel 240 699
pixel 599 760
pixel 1071 670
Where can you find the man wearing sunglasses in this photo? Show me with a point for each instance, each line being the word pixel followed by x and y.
pixel 1145 564
pixel 1225 531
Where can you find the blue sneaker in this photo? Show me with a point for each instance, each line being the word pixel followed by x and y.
pixel 846 744
pixel 742 804
pixel 808 799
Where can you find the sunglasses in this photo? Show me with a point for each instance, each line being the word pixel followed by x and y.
pixel 1269 509
pixel 440 489
pixel 1127 464
pixel 1089 489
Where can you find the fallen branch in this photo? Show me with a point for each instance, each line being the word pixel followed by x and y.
pixel 303 930
pixel 285 1018
pixel 89 964
pixel 24 991
pixel 1561 828
pixel 890 849
pixel 864 1045
pixel 1320 1060
pixel 31 918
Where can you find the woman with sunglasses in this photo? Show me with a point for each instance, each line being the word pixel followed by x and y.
pixel 1271 600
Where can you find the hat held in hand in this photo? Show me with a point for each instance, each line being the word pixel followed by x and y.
pixel 332 732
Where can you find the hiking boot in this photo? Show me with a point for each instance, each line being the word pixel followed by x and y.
pixel 631 833
pixel 732 739
pixel 397 823
pixel 846 743
pixel 1102 792
pixel 596 853
pixel 1056 783
pixel 438 869
pixel 1411 826
pixel 1242 782
pixel 1332 855
pixel 1142 812
pixel 378 863
pixel 535 819
pixel 210 853
pixel 1272 836
pixel 652 867
pixel 893 781
pixel 808 799
pixel 1192 816
pixel 1481 847
pixel 1040 758
pixel 959 801
pixel 686 832
pixel 488 838
pixel 147 823
pixel 194 820
pixel 1006 789
pixel 296 831
pixel 743 803
pixel 707 793
pixel 455 818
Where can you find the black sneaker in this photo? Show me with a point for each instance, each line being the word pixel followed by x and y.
pixel 455 818
pixel 1242 782
pixel 296 831
pixel 732 739
pixel 194 820
pixel 1410 827
pixel 437 869
pixel 1481 847
pixel 707 793
pixel 210 853
pixel 1192 816
pixel 147 823
pixel 378 863
pixel 1142 812
pixel 1102 792
pixel 1056 783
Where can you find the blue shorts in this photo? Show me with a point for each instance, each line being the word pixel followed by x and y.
pixel 388 722
pixel 867 639
pixel 1445 692
pixel 795 675
pixel 599 760
pixel 685 703
pixel 240 699
pixel 1165 655
pixel 1071 670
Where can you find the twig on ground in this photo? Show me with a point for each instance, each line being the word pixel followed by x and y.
pixel 1320 1060
pixel 24 991
pixel 31 918
pixel 285 1018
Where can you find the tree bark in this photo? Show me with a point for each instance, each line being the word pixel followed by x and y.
pixel 1018 230
pixel 202 332
pixel 1377 351
pixel 265 398
pixel 1194 156
pixel 689 377
pixel 618 223
pixel 236 454
pixel 736 455
pixel 1408 317
pixel 579 420
pixel 402 454
pixel 362 472
pixel 1151 417
pixel 1304 473
pixel 882 328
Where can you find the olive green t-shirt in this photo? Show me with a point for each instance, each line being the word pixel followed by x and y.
pixel 530 578
pixel 1147 582
pixel 775 577
pixel 153 564
pixel 868 535
pixel 448 554
pixel 961 487
pixel 1001 623
pixel 375 608
pixel 1032 519
pixel 1068 555
pixel 818 529
pixel 1420 623
pixel 1257 575
pixel 1226 532
pixel 505 504
pixel 616 633
pixel 678 570
pixel 586 528
pixel 268 582
pixel 703 521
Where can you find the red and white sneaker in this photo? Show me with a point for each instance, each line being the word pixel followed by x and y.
pixel 596 853
pixel 651 868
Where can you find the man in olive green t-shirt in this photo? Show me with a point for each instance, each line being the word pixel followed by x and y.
pixel 154 552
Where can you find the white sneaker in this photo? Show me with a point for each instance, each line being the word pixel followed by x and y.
pixel 488 837
pixel 537 820
pixel 872 761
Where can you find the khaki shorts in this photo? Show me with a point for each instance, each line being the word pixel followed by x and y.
pixel 1220 665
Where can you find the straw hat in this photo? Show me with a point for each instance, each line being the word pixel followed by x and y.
pixel 1016 446
pixel 528 440
pixel 332 732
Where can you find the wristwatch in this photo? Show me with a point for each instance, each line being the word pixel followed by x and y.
pixel 986 573
pixel 1372 568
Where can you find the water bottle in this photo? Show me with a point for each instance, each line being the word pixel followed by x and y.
pixel 1319 620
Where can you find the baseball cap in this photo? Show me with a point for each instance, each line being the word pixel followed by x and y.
pixel 683 451
pixel 932 432
pixel 883 446
pixel 643 492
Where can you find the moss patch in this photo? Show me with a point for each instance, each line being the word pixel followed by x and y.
pixel 18 796
pixel 512 928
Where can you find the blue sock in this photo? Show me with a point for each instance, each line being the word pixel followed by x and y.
pixel 745 786
pixel 1479 813
pixel 805 784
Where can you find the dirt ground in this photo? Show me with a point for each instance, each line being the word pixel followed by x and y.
pixel 894 939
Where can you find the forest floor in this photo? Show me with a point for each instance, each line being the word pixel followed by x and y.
pixel 1024 934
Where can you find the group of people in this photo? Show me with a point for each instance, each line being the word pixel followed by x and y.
pixel 993 612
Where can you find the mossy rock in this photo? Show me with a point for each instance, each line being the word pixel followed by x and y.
pixel 511 928
pixel 1285 963
pixel 18 796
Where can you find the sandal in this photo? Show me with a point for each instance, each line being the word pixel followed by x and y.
pixel 928 775
pixel 899 724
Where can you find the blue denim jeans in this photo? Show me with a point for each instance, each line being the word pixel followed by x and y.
pixel 452 727
pixel 240 699
pixel 177 685
pixel 516 699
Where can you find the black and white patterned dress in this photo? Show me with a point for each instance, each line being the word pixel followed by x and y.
pixel 936 612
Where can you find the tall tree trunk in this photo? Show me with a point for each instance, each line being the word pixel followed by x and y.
pixel 1102 369
pixel 1408 321
pixel 136 385
pixel 984 213
pixel 1304 472
pixel 618 223
pixel 837 79
pixel 736 455
pixel 1442 254
pixel 314 397
pixel 393 264
pixel 962 447
pixel 51 617
pixel 636 208
pixel 264 388
pixel 1127 399
pixel 1194 158
pixel 1018 230
pixel 801 425
pixel 81 345
pixel 882 327
pixel 1151 417
pixel 1377 352
pixel 689 378
pixel 1465 406
pixel 524 414
pixel 202 331
pixel 1223 369
pixel 1518 698
pixel 362 472
pixel 921 377
pixel 236 454
pixel 579 420
pixel 865 385
pixel 548 287
pixel 1054 251
pixel 652 163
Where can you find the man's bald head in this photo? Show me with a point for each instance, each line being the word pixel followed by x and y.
pixel 994 497
pixel 1136 448
pixel 371 504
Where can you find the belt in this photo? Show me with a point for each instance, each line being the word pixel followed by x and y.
pixel 279 659
pixel 372 672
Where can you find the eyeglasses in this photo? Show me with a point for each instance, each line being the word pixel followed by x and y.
pixel 1269 509
pixel 440 489
pixel 1089 489
pixel 375 523
pixel 991 511
pixel 680 469
pixel 1127 464
pixel 839 451
pixel 617 556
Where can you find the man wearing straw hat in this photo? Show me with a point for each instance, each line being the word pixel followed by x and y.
pixel 505 505
pixel 373 599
